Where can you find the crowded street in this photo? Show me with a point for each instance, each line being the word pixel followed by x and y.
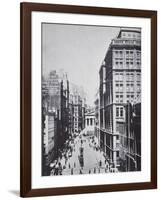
pixel 82 157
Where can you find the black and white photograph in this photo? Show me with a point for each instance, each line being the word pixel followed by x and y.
pixel 90 99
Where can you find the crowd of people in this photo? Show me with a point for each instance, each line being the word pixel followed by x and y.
pixel 66 165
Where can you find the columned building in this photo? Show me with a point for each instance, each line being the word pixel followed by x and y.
pixel 90 122
pixel 120 84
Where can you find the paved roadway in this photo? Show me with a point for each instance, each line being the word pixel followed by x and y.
pixel 92 158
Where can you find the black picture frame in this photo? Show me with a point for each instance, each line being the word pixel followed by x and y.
pixel 26 84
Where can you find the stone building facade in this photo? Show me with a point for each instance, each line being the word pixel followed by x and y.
pixel 120 84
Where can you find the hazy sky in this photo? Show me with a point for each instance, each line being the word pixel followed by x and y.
pixel 79 50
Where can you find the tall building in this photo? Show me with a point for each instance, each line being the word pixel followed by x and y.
pixel 83 111
pixel 120 84
pixel 54 87
pixel 77 112
pixel 71 114
pixel 55 117
pixel 136 129
pixel 97 116
pixel 79 107
pixel 50 141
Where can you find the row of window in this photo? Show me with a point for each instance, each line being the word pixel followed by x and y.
pixel 138 53
pixel 127 84
pixel 134 35
pixel 127 63
pixel 127 76
pixel 129 94
pixel 119 84
pixel 121 97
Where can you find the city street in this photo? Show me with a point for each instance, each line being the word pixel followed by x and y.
pixel 91 126
pixel 83 157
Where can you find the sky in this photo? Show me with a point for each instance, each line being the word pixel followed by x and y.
pixel 77 49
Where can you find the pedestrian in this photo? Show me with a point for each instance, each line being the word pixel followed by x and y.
pixel 107 167
pixel 72 171
pixel 52 172
pixel 89 171
pixel 56 170
pixel 59 169
pixel 100 163
pixel 94 170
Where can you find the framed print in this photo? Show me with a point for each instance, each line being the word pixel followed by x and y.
pixel 88 99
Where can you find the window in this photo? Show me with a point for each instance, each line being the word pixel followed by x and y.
pixel 87 122
pixel 138 89
pixel 117 112
pixel 91 120
pixel 131 75
pixel 138 53
pixel 121 112
pixel 121 76
pixel 138 77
